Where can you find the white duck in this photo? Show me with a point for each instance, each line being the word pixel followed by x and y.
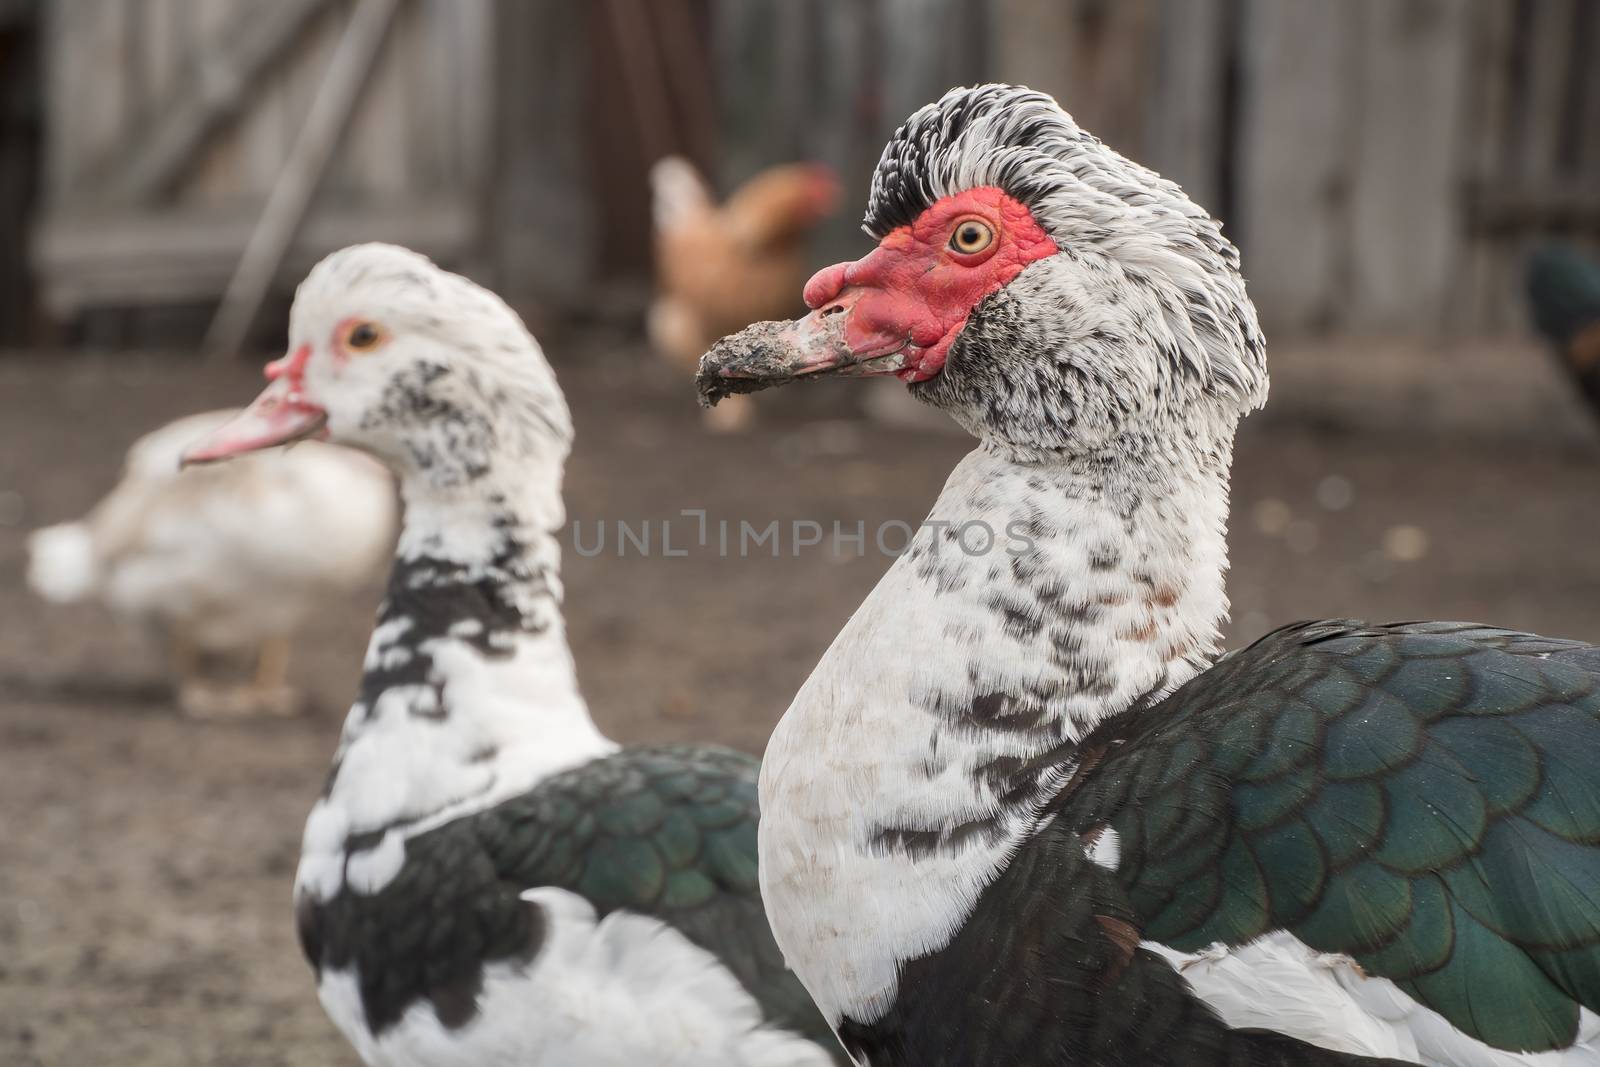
pixel 226 560
pixel 487 879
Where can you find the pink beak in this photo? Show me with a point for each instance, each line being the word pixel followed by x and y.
pixel 279 416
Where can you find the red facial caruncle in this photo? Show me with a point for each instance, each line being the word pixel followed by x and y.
pixel 914 292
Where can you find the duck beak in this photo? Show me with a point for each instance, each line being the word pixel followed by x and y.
pixel 279 416
pixel 769 354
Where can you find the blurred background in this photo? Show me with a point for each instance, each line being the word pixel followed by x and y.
pixel 1391 170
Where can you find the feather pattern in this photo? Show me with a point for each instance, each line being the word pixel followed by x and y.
pixel 1418 799
pixel 1021 813
pixel 486 878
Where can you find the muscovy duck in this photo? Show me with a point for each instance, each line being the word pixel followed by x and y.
pixel 486 878
pixel 223 561
pixel 1021 812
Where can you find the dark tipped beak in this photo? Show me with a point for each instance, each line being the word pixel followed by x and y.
pixel 279 416
pixel 770 354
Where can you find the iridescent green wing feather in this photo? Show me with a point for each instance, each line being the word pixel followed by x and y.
pixel 1424 798
pixel 667 831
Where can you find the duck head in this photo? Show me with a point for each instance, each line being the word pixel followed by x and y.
pixel 429 372
pixel 1046 292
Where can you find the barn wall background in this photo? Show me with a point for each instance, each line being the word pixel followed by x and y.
pixel 1385 164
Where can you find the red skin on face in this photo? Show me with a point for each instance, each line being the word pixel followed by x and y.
pixel 915 292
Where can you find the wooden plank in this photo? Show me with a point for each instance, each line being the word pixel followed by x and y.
pixel 86 64
pixel 301 76
pixel 62 28
pixel 476 79
pixel 165 38
pixel 87 259
pixel 1533 163
pixel 1543 104
pixel 745 52
pixel 427 46
pixel 546 235
pixel 371 157
pixel 1561 205
pixel 851 122
pixel 263 130
pixel 146 161
pixel 683 31
pixel 1093 57
pixel 913 71
pixel 1184 120
pixel 286 207
pixel 218 174
pixel 1296 138
pixel 641 75
pixel 1589 109
pixel 968 42
pixel 135 72
pixel 1487 107
pixel 796 23
pixel 1405 199
pixel 1031 41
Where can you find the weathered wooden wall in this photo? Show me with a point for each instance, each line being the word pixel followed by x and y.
pixel 830 80
pixel 1384 164
pixel 169 120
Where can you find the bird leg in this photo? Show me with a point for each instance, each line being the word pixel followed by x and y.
pixel 271 690
pixel 266 693
pixel 197 697
pixel 272 665
pixel 185 656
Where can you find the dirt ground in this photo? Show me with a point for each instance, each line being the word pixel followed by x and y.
pixel 146 860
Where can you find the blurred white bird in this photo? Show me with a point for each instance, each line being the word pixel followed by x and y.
pixel 226 560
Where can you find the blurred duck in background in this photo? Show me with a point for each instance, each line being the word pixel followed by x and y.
pixel 227 561
pixel 720 267
pixel 1564 300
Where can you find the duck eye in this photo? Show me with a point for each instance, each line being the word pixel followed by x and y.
pixel 363 337
pixel 971 236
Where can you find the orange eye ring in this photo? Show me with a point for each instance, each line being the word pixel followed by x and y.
pixel 363 336
pixel 971 236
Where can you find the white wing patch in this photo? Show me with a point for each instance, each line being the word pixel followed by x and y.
pixel 1105 848
pixel 1280 983
pixel 616 992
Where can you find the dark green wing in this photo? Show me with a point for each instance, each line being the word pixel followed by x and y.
pixel 1422 797
pixel 667 831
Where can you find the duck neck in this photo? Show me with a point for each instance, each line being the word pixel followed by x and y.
pixel 1044 595
pixel 989 661
pixel 1116 582
pixel 469 694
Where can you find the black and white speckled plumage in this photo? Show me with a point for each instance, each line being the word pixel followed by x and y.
pixel 1017 815
pixel 1140 315
pixel 486 879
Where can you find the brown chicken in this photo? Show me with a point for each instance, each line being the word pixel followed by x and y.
pixel 721 267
